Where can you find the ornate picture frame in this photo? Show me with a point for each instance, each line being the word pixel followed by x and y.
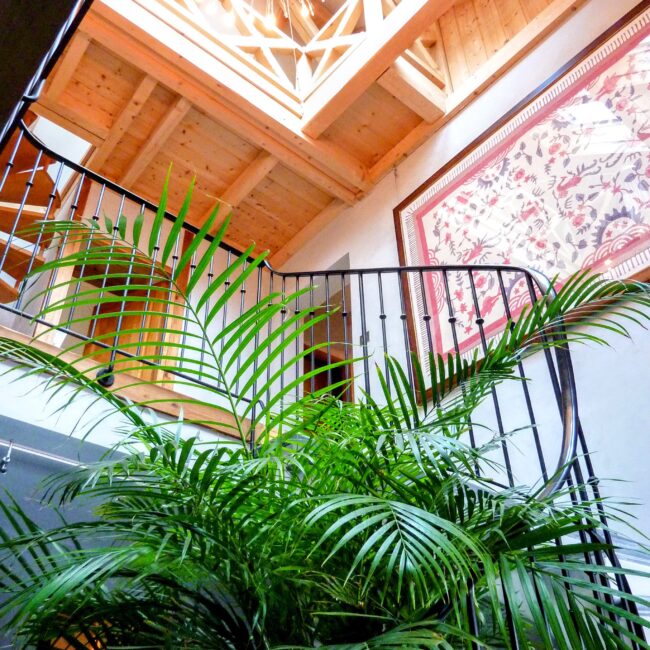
pixel 561 183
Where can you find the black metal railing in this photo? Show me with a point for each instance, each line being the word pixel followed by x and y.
pixel 370 314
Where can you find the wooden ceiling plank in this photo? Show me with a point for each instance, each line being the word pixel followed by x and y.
pixel 413 89
pixel 156 141
pixel 378 51
pixel 512 15
pixel 123 122
pixel 489 22
pixel 532 8
pixel 311 230
pixel 68 64
pixel 325 166
pixel 538 28
pixel 454 50
pixel 467 20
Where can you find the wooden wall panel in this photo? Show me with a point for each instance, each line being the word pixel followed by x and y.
pixel 473 30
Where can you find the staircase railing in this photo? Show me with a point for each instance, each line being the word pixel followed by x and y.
pixel 370 314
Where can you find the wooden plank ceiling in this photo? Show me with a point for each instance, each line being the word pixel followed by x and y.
pixel 285 132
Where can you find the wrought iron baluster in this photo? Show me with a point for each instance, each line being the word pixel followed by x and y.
pixel 29 183
pixel 382 320
pixel 497 407
pixel 364 333
pixel 312 365
pixel 404 318
pixel 242 304
pixel 39 237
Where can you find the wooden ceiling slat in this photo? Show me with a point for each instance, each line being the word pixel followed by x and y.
pixel 470 34
pixel 512 16
pixel 492 32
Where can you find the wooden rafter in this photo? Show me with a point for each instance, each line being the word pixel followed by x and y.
pixel 358 71
pixel 156 141
pixel 123 122
pixel 246 182
pixel 237 105
pixel 412 88
pixel 69 63
pixel 71 120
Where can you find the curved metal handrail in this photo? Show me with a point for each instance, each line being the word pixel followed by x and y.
pixel 568 396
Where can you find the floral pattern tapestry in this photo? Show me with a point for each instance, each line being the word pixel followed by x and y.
pixel 563 186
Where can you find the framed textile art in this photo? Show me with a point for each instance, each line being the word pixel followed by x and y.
pixel 562 184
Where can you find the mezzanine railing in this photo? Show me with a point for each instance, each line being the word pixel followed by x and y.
pixel 370 314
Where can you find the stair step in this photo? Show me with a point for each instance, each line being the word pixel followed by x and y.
pixel 29 216
pixel 25 157
pixel 7 292
pixel 15 186
pixel 17 259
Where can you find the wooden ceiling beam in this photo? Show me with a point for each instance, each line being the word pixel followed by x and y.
pixel 123 122
pixel 405 82
pixel 311 230
pixel 359 71
pixel 156 141
pixel 71 120
pixel 322 163
pixel 68 64
pixel 246 182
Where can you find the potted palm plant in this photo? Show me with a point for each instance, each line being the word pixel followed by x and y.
pixel 319 522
